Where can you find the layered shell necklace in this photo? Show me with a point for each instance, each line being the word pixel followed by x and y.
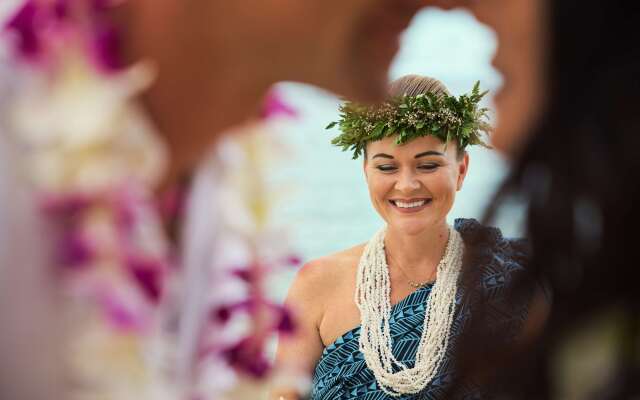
pixel 373 290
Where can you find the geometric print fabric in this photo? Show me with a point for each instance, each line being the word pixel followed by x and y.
pixel 342 373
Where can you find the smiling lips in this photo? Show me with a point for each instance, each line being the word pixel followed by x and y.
pixel 410 205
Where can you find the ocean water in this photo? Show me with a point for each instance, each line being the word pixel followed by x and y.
pixel 329 209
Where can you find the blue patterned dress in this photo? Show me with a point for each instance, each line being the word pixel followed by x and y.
pixel 342 372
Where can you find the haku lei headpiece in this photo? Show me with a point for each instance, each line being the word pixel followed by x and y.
pixel 409 117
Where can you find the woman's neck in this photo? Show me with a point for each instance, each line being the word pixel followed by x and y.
pixel 421 252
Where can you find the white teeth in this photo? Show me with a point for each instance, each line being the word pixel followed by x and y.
pixel 402 204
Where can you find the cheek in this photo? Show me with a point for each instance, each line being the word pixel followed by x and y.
pixel 443 185
pixel 379 188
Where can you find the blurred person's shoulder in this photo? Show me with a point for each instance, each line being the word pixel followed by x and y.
pixel 489 250
pixel 494 266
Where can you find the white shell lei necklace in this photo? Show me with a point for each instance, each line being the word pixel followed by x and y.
pixel 373 290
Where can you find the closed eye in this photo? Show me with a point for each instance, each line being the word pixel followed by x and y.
pixel 428 167
pixel 386 168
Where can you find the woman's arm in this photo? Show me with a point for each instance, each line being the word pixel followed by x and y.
pixel 299 352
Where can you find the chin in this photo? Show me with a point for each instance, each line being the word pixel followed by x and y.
pixel 409 228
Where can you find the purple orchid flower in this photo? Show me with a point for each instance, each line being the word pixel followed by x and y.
pixel 119 316
pixel 248 357
pixel 148 276
pixel 61 10
pixel 66 206
pixel 25 25
pixel 293 260
pixel 245 274
pixel 285 323
pixel 106 45
pixel 222 314
pixel 76 250
pixel 275 106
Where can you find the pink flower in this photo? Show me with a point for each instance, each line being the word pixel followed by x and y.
pixel 24 24
pixel 106 48
pixel 61 9
pixel 293 260
pixel 275 106
pixel 173 202
pixel 76 250
pixel 66 206
pixel 148 275
pixel 224 312
pixel 248 357
pixel 120 316
pixel 245 274
pixel 285 323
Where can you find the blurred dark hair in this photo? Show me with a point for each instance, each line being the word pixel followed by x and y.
pixel 579 175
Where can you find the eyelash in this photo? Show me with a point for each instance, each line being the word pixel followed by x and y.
pixel 390 168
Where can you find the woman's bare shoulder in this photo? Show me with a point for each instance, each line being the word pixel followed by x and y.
pixel 321 275
pixel 333 265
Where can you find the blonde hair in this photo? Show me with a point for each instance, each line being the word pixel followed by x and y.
pixel 413 85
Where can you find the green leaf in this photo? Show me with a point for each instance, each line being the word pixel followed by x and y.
pixel 377 132
pixel 391 119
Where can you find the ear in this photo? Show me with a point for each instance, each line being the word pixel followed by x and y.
pixel 463 167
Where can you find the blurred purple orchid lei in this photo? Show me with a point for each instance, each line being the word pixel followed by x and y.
pixel 42 26
pixel 117 227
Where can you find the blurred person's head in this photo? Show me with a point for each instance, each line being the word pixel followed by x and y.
pixel 520 30
pixel 577 172
pixel 217 58
pixel 520 27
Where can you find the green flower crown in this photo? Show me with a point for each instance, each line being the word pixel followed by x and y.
pixel 409 117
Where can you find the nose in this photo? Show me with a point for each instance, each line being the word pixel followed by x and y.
pixel 407 182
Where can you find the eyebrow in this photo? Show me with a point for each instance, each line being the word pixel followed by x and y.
pixel 429 153
pixel 382 155
pixel 423 154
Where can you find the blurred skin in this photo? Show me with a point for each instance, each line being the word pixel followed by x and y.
pixel 216 59
pixel 322 294
pixel 520 58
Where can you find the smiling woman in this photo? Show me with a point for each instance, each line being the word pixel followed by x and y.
pixel 382 319
pixel 406 180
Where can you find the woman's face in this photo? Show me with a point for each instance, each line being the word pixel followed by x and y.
pixel 413 186
pixel 520 58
